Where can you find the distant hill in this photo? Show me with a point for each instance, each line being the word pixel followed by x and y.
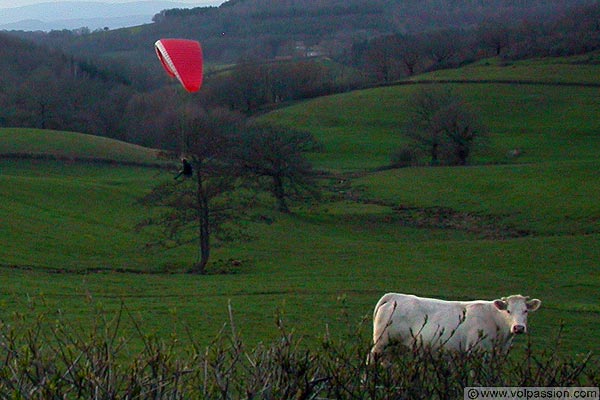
pixel 48 89
pixel 110 83
pixel 93 15
pixel 270 29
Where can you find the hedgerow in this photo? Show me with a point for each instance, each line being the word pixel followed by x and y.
pixel 50 358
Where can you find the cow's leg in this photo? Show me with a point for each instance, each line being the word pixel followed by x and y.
pixel 381 330
pixel 377 349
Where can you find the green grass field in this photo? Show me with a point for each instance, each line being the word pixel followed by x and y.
pixel 72 145
pixel 581 69
pixel 68 244
pixel 547 123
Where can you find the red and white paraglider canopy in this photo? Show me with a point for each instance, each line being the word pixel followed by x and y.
pixel 182 59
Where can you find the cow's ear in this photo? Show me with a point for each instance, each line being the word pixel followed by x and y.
pixel 534 304
pixel 500 304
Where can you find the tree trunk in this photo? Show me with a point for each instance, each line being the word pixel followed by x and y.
pixel 434 154
pixel 279 193
pixel 203 222
pixel 462 153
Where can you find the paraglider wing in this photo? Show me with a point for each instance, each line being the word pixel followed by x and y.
pixel 182 59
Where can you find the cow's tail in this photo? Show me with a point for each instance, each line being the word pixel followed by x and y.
pixel 380 327
pixel 384 300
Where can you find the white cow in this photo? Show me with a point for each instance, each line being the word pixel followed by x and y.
pixel 453 325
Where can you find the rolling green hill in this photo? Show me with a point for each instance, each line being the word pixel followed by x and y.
pixel 70 145
pixel 579 70
pixel 527 225
pixel 67 199
pixel 547 119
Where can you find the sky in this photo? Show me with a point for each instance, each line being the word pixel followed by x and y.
pixel 19 3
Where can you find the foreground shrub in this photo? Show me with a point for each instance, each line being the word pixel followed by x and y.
pixel 43 360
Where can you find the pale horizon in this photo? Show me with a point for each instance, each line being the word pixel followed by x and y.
pixel 4 4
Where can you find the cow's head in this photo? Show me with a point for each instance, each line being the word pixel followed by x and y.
pixel 515 309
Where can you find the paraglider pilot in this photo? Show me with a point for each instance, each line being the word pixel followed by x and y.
pixel 186 169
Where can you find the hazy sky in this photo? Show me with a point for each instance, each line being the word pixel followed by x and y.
pixel 19 3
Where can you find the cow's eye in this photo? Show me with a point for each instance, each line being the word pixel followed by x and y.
pixel 508 311
pixel 525 312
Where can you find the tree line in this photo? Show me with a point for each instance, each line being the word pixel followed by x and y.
pixel 393 57
pixel 49 89
pixel 268 29
pixel 127 99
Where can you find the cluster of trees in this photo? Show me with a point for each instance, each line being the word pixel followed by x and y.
pixel 148 117
pixel 442 127
pixel 267 29
pixel 252 85
pixel 227 161
pixel 392 57
pixel 270 28
pixel 50 90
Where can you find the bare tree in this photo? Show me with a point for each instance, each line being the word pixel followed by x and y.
pixel 494 35
pixel 460 127
pixel 250 80
pixel 411 53
pixel 443 47
pixel 149 123
pixel 196 207
pixel 274 156
pixel 39 101
pixel 442 124
pixel 382 57
pixel 421 125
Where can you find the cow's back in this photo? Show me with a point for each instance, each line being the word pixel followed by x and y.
pixel 406 317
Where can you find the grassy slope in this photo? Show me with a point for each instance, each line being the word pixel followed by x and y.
pixel 579 69
pixel 72 145
pixel 70 215
pixel 340 256
pixel 548 123
pixel 551 189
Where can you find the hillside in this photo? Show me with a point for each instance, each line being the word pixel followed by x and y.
pixel 527 225
pixel 579 70
pixel 260 54
pixel 541 87
pixel 552 120
pixel 46 88
pixel 267 29
pixel 36 143
pixel 69 188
